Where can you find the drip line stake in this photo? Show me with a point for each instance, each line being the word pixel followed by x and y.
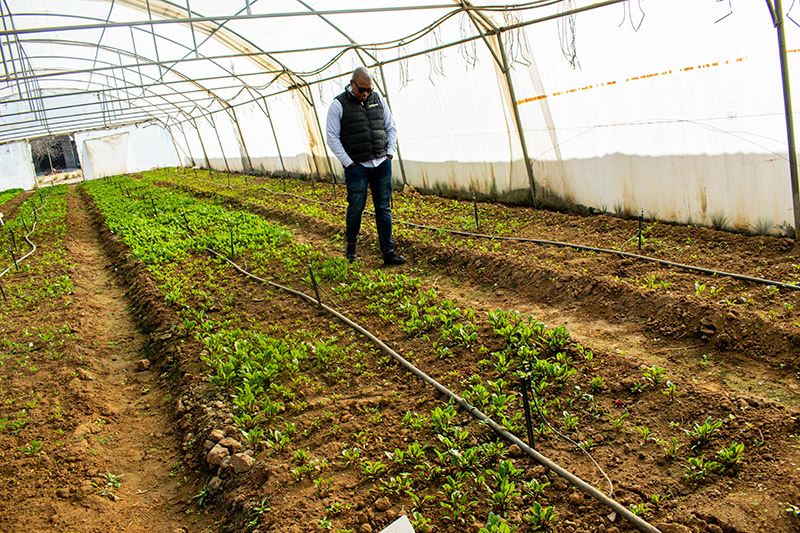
pixel 3 293
pixel 477 222
pixel 232 249
pixel 15 260
pixel 641 217
pixel 13 240
pixel 525 383
pixel 316 288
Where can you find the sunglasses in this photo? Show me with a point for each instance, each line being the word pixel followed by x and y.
pixel 362 90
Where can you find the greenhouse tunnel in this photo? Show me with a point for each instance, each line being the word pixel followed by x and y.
pixel 613 106
pixel 599 208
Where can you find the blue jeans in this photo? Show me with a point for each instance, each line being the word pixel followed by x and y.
pixel 379 179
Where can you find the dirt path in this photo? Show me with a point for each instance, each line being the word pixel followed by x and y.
pixel 117 465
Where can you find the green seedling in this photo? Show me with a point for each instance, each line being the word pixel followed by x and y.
pixel 540 517
pixel 730 456
pixel 670 448
pixel 655 374
pixel 701 434
pixel 700 469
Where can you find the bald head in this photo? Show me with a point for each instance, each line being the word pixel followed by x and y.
pixel 362 74
pixel 361 84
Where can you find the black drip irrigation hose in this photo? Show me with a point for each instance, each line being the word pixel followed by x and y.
pixel 581 247
pixel 27 239
pixel 615 506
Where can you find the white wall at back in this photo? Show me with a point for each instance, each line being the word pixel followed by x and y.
pixel 125 150
pixel 17 165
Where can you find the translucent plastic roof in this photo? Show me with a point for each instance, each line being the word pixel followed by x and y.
pixel 136 60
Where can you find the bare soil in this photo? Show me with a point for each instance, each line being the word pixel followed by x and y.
pixel 732 352
pixel 108 457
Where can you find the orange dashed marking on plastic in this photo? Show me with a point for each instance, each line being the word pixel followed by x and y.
pixel 635 78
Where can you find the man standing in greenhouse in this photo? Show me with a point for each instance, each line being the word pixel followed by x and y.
pixel 362 134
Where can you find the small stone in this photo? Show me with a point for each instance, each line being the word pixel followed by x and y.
pixel 214 485
pixel 383 504
pixel 558 484
pixel 179 530
pixel 241 462
pixel 362 518
pixel 575 498
pixel 365 528
pixel 216 435
pixel 143 364
pixel 62 493
pixel 233 445
pixel 217 455
pixel 515 451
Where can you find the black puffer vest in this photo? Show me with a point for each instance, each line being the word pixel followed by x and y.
pixel 363 135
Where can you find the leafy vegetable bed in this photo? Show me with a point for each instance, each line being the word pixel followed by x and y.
pixel 334 435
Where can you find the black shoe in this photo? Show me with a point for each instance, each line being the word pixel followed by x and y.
pixel 393 259
pixel 350 254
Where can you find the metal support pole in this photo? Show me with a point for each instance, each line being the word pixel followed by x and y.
pixel 321 134
pixel 219 140
pixel 389 103
pixel 188 146
pixel 247 163
pixel 202 145
pixel 777 14
pixel 191 28
pixel 517 118
pixel 155 43
pixel 277 145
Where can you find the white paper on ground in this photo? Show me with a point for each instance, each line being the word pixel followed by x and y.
pixel 401 525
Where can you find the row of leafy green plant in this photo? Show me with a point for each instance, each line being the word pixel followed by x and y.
pixel 460 216
pixel 265 370
pixel 33 330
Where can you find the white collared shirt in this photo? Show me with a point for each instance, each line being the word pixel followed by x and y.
pixel 334 129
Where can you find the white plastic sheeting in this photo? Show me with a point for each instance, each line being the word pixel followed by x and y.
pixel 17 165
pixel 125 150
pixel 670 107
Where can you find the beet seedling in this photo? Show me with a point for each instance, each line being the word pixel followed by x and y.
pixel 701 434
pixel 730 456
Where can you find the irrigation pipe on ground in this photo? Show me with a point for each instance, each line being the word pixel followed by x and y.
pixel 618 508
pixel 27 239
pixel 565 245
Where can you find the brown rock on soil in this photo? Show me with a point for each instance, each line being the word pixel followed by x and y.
pixel 143 364
pixel 383 504
pixel 233 445
pixel 217 455
pixel 241 463
pixel 216 435
pixel 514 451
